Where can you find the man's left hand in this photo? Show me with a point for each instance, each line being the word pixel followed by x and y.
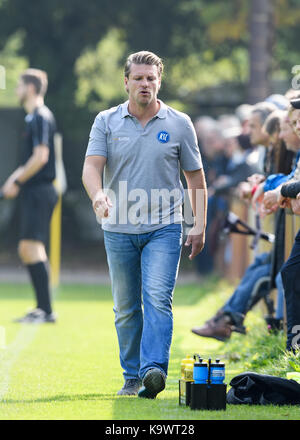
pixel 196 240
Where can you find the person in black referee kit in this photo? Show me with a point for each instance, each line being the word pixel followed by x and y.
pixel 32 182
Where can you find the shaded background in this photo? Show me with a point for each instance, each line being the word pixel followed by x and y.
pixel 217 55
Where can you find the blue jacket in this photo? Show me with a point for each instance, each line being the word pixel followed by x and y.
pixel 274 180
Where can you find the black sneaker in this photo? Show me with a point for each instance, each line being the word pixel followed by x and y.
pixel 37 316
pixel 154 382
pixel 130 387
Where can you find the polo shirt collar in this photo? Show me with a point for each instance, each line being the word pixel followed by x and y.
pixel 162 112
pixel 124 109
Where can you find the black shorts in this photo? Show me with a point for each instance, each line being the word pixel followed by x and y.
pixel 36 208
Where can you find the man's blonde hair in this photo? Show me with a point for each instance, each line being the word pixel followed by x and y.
pixel 143 57
pixel 36 77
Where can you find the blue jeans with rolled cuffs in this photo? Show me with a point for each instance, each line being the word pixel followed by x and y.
pixel 143 270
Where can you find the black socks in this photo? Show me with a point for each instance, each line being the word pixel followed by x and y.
pixel 40 280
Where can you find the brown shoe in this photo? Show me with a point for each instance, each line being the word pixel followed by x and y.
pixel 219 329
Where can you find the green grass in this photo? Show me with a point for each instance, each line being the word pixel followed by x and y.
pixel 70 370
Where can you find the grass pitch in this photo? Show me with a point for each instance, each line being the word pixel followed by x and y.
pixel 70 370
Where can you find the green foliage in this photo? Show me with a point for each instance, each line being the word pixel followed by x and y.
pixel 287 25
pixel 100 73
pixel 295 361
pixel 226 21
pixel 262 351
pixel 188 75
pixel 13 64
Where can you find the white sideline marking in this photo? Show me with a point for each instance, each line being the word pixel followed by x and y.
pixel 9 356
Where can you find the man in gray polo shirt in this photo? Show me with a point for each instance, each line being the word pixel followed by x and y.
pixel 132 176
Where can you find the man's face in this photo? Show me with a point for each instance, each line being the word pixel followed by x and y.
pixel 288 135
pixel 22 91
pixel 231 146
pixel 143 84
pixel 295 121
pixel 257 136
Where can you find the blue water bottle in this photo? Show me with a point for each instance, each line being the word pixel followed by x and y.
pixel 199 386
pixel 216 390
pixel 200 373
pixel 217 372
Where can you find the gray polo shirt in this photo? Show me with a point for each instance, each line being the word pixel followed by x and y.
pixel 142 171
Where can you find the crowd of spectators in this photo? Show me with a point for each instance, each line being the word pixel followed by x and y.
pixel 252 155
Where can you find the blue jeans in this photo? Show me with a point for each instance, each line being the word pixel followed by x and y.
pixel 239 300
pixel 143 270
pixel 280 297
pixel 216 207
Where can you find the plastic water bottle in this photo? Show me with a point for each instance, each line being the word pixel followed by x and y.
pixel 217 372
pixel 186 361
pixel 200 371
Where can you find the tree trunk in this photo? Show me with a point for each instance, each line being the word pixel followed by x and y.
pixel 261 29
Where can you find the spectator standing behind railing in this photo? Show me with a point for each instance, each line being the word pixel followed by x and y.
pixel 243 113
pixel 270 189
pixel 239 167
pixel 261 142
pixel 231 316
pixel 211 144
pixel 229 164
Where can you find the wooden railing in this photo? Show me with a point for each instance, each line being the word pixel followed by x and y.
pixel 241 254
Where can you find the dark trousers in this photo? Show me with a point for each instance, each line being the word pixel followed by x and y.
pixel 291 282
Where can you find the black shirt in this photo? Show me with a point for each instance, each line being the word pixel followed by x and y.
pixel 40 130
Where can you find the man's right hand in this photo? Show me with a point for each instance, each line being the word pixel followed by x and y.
pixel 101 205
pixel 10 190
